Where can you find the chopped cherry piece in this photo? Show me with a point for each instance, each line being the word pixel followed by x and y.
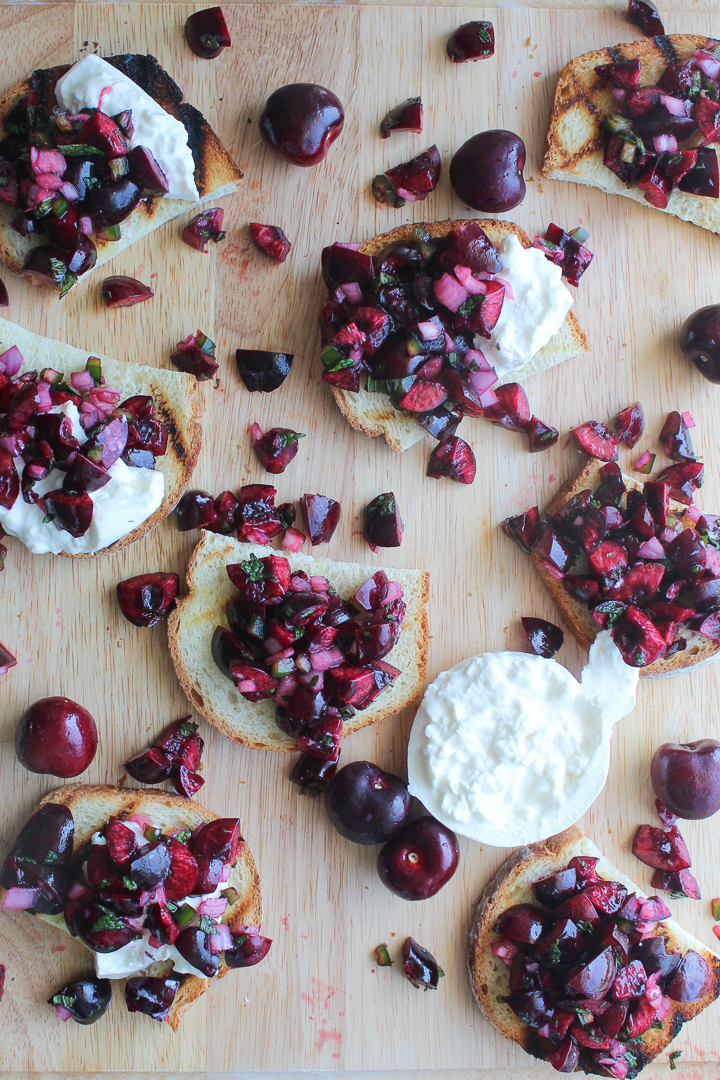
pixel 249 948
pixel 146 599
pixel 382 524
pixel 692 980
pixel 683 480
pixel 453 459
pixel 625 74
pixel 151 995
pixel 196 355
pixel 151 767
pixel 525 923
pixel 522 529
pixel 271 239
pixel 680 883
pixel 511 409
pixel 258 520
pixel 404 117
pixel 7 660
pixel 313 774
pixel 207 225
pixel 321 517
pixel 73 513
pixel 263 371
pixel 541 436
pixel 545 638
pixel 206 33
pixel 196 510
pixel 415 179
pixel 121 291
pixel 594 439
pixel 471 41
pixel 630 424
pixel 643 13
pixel 664 850
pixel 276 448
pixel 420 966
pixel 146 174
pixel 675 438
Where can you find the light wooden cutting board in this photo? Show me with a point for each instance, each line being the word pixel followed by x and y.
pixel 318 1002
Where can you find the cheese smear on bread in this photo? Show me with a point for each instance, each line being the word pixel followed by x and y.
pixel 92 83
pixel 509 748
pixel 535 313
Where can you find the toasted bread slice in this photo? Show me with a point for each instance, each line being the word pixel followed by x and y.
pixel 92 806
pixel 489 977
pixel 176 404
pixel 191 626
pixel 374 414
pixel 575 140
pixel 699 650
pixel 216 174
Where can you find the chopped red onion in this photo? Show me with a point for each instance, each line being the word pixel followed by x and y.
pixel 11 361
pixel 43 162
pixel 619 94
pixel 272 645
pixel 82 381
pixel 394 592
pixel 64 1013
pixel 86 225
pixel 350 247
pixel 319 584
pixel 693 513
pixel 675 106
pixel 75 891
pixel 644 459
pixel 651 549
pixel 214 906
pixel 327 658
pixel 708 64
pixel 449 292
pixel 686 419
pixel 17 899
pixel 664 143
pixel 221 939
pixel 293 540
pixel 352 292
pixel 69 190
pixel 247 686
pixel 284 654
pixel 488 399
pixel 316 679
pixel 508 287
pixel 429 329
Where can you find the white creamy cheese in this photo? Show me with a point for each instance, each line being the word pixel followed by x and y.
pixel 129 498
pixel 538 309
pixel 92 83
pixel 508 748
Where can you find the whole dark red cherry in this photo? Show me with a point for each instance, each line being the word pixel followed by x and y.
pixel 366 804
pixel 686 777
pixel 700 340
pixel 417 862
pixel 56 736
pixel 487 171
pixel 301 121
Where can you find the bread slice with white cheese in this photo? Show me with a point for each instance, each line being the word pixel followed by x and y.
pixel 489 975
pixel 91 808
pixel 191 627
pixel 214 173
pixel 176 405
pixel 374 414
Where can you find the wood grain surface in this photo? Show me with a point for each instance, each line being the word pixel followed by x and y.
pixel 318 1002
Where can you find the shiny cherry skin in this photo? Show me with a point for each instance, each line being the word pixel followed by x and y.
pixel 301 121
pixel 56 736
pixel 366 804
pixel 487 171
pixel 417 862
pixel 700 340
pixel 686 777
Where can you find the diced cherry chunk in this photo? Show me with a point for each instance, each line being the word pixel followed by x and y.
pixel 524 923
pixel 522 528
pixel 73 513
pixel 382 524
pixel 630 424
pixel 205 226
pixel 271 239
pixel 595 439
pixel 206 32
pixel 692 980
pixel 541 436
pixel 146 599
pixel 545 638
pixel 660 848
pixel 322 515
pixel 453 459
pixel 643 13
pixel 123 291
pixel 404 117
pixel 471 41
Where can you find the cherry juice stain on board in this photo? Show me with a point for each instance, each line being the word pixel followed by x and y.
pixel 322 1002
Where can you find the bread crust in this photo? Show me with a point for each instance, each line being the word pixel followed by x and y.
pixel 511 884
pixel 699 651
pixel 191 625
pixel 374 414
pixel 177 404
pixel 92 806
pixel 575 141
pixel 216 174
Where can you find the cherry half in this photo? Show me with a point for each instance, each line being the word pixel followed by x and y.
pixel 301 121
pixel 366 804
pixel 417 862
pixel 56 736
